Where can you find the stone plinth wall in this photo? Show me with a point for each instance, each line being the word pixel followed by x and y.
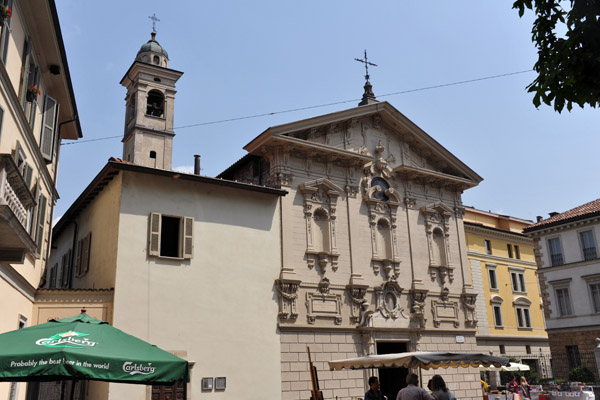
pixel 343 385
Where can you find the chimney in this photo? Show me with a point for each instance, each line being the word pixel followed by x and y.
pixel 539 218
pixel 196 164
pixel 552 214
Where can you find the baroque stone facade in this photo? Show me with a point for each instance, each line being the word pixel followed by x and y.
pixel 373 246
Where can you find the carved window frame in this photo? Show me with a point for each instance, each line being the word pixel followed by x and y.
pixel 437 216
pixel 383 210
pixel 321 194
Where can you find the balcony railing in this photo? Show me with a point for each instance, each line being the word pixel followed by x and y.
pixel 556 259
pixel 589 253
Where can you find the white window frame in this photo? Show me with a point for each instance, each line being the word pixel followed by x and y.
pixel 521 285
pixel 550 254
pixel 522 312
pixel 492 272
pixel 593 281
pixel 582 246
pixel 560 285
pixel 497 305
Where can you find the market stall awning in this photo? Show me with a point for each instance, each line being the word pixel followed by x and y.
pixel 425 360
pixel 513 366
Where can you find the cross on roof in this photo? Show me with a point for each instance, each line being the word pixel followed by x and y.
pixel 154 21
pixel 367 63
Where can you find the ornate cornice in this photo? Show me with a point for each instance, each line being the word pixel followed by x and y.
pixel 497 233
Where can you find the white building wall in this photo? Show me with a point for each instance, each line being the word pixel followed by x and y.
pixel 217 309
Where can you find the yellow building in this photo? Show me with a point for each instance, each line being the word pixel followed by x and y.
pixel 509 304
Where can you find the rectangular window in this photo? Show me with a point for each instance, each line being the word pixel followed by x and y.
pixel 488 247
pixel 510 250
pixel 564 302
pixel 556 256
pixel 527 349
pixel 518 282
pixel 493 281
pixel 52 277
pixel 497 316
pixel 502 349
pixel 170 236
pixel 595 291
pixel 517 252
pixel 523 319
pixel 573 356
pixel 588 245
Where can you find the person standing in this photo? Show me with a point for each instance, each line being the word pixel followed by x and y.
pixel 524 389
pixel 439 389
pixel 412 391
pixel 374 393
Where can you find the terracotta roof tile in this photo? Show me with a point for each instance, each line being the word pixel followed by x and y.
pixel 582 211
pixel 120 160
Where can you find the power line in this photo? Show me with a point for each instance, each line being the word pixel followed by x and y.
pixel 221 121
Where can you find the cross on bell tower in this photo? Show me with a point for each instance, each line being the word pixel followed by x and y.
pixel 150 83
pixel 368 95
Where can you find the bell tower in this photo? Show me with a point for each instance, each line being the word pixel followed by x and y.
pixel 150 100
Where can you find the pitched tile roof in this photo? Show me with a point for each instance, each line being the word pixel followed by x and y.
pixel 583 211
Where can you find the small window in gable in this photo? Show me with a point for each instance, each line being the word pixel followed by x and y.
pixel 170 236
pixel 156 103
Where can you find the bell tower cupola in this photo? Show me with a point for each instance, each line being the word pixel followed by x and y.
pixel 150 100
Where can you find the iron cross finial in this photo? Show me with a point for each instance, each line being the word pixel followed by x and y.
pixel 367 63
pixel 154 21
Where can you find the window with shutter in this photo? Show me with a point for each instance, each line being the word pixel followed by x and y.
pixel 48 127
pixel 28 175
pixel 77 259
pixel 41 218
pixel 170 236
pixel 34 211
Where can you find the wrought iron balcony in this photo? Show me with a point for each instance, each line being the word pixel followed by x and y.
pixel 589 253
pixel 16 202
pixel 556 259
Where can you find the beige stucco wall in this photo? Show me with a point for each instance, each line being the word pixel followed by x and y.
pixel 101 217
pixel 217 309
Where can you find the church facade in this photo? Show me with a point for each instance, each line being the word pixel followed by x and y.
pixel 342 233
pixel 373 257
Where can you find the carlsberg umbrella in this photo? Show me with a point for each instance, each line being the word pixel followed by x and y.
pixel 83 347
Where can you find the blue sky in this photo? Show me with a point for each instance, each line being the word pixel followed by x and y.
pixel 242 58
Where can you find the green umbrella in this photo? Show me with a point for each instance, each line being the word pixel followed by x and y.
pixel 83 347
